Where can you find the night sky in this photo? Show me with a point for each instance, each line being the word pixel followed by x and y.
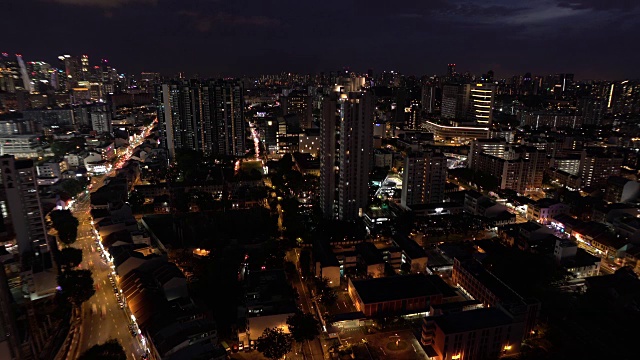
pixel 595 39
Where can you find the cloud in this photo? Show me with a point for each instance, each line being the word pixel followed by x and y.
pixel 482 10
pixel 103 3
pixel 410 16
pixel 544 15
pixel 600 5
pixel 204 23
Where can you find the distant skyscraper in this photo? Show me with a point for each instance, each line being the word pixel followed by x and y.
pixel 26 82
pixel 451 70
pixel 300 104
pixel 450 101
pixel 84 68
pixel 424 178
pixel 206 117
pixel 346 142
pixel 490 75
pixel 72 69
pixel 470 102
pixel 9 74
pixel 479 99
pixel 225 100
pixel 428 98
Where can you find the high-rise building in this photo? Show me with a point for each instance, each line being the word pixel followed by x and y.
pixel 223 109
pixel 597 166
pixel 148 80
pixel 428 98
pixel 346 142
pixel 84 68
pixel 469 102
pixel 479 100
pixel 451 70
pixel 101 122
pixel 72 70
pixel 9 74
pixel 424 178
pixel 301 104
pixel 518 168
pixel 592 109
pixel 493 147
pixel 10 339
pixel 450 103
pixel 206 117
pixel 23 204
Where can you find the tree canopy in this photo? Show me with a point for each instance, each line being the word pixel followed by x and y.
pixel 110 350
pixel 274 343
pixel 76 286
pixel 72 187
pixel 327 294
pixel 61 148
pixel 66 225
pixel 303 326
pixel 70 257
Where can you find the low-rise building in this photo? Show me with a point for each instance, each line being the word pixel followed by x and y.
pixel 619 190
pixel 473 279
pixel 269 303
pixel 576 261
pixel 370 259
pixel 544 210
pixel 413 255
pixel 326 264
pixel 402 294
pixel 472 334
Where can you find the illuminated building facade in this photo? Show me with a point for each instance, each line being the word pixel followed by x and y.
pixel 424 178
pixel 346 145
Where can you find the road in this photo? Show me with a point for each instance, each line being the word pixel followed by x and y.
pixel 311 349
pixel 106 320
pixel 96 327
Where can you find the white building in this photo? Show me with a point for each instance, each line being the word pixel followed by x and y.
pixel 51 169
pixel 21 146
pixel 101 122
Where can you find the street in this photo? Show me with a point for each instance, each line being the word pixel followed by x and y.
pixel 102 317
pixel 311 349
pixel 96 328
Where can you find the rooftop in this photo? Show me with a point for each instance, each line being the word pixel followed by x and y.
pixel 504 293
pixel 395 288
pixel 410 247
pixel 369 253
pixel 478 319
pixel 322 253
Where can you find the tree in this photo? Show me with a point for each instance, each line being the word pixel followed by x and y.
pixel 61 148
pixel 66 225
pixel 274 343
pixel 76 286
pixel 110 350
pixel 303 327
pixel 70 257
pixel 136 201
pixel 285 164
pixel 72 187
pixel 327 294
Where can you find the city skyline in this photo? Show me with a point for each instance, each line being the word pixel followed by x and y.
pixel 510 38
